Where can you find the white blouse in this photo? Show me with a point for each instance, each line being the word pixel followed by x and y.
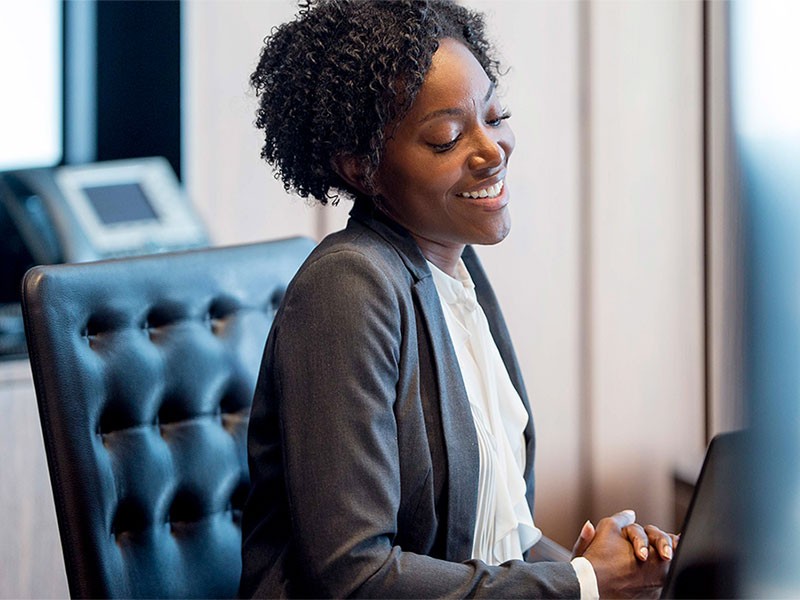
pixel 504 526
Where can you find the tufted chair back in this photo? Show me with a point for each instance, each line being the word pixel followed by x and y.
pixel 144 371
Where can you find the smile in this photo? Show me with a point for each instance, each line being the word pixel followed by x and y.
pixel 490 192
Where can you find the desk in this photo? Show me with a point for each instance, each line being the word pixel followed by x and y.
pixel 30 549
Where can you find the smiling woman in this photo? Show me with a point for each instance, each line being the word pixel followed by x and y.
pixel 391 443
pixel 443 168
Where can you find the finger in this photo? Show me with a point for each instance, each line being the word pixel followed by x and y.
pixel 624 518
pixel 638 539
pixel 660 540
pixel 584 539
pixel 676 537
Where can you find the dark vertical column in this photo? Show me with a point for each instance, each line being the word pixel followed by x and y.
pixel 139 80
pixel 124 70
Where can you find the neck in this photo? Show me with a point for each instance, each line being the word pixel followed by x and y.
pixel 444 257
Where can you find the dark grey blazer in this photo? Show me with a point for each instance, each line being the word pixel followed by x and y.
pixel 362 449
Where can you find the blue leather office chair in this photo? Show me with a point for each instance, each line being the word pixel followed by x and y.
pixel 144 371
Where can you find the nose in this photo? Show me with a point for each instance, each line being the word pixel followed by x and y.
pixel 492 148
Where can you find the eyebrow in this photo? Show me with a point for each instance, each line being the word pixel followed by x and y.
pixel 489 92
pixel 455 112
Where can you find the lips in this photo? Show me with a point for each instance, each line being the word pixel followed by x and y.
pixel 491 191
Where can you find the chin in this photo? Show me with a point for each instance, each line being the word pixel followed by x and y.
pixel 491 238
pixel 499 238
pixel 498 232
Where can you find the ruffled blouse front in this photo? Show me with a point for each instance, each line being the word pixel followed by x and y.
pixel 504 526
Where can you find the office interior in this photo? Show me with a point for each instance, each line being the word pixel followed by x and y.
pixel 650 278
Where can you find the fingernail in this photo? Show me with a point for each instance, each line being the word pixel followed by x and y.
pixel 631 513
pixel 643 553
pixel 667 553
pixel 586 530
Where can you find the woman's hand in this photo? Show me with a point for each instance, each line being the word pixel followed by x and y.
pixel 641 539
pixel 624 562
pixel 650 537
pixel 584 539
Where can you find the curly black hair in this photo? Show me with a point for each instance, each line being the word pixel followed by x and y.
pixel 332 81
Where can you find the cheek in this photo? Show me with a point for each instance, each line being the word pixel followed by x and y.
pixel 403 175
pixel 508 142
pixel 404 194
pixel 431 184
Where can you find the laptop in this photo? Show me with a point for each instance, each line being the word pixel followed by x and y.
pixel 706 561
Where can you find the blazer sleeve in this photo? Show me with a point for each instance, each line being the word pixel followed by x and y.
pixel 336 356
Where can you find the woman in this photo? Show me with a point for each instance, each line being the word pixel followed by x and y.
pixel 391 445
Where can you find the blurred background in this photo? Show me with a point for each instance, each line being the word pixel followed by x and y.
pixel 650 278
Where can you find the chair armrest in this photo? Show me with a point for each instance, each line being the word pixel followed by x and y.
pixel 548 550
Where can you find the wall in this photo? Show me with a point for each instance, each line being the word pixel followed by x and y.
pixel 646 260
pixel 233 188
pixel 601 277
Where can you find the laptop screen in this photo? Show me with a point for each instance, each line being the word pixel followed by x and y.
pixel 706 561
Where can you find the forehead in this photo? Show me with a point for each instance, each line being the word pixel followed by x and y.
pixel 455 79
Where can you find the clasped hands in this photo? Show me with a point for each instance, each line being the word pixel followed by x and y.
pixel 630 561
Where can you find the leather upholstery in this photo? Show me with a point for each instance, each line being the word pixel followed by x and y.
pixel 144 371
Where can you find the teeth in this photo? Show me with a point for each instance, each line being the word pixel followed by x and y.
pixel 491 192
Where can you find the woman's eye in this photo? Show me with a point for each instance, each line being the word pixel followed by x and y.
pixel 496 121
pixel 446 146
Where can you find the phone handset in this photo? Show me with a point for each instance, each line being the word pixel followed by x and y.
pixel 35 225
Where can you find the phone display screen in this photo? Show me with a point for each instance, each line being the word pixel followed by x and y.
pixel 120 203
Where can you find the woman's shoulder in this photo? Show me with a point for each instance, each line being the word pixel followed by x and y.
pixel 351 270
pixel 357 247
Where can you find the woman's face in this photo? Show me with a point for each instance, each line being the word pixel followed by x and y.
pixel 442 175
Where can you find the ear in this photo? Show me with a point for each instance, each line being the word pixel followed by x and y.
pixel 352 170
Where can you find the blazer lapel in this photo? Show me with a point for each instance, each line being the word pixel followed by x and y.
pixel 502 338
pixel 457 426
pixel 494 316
